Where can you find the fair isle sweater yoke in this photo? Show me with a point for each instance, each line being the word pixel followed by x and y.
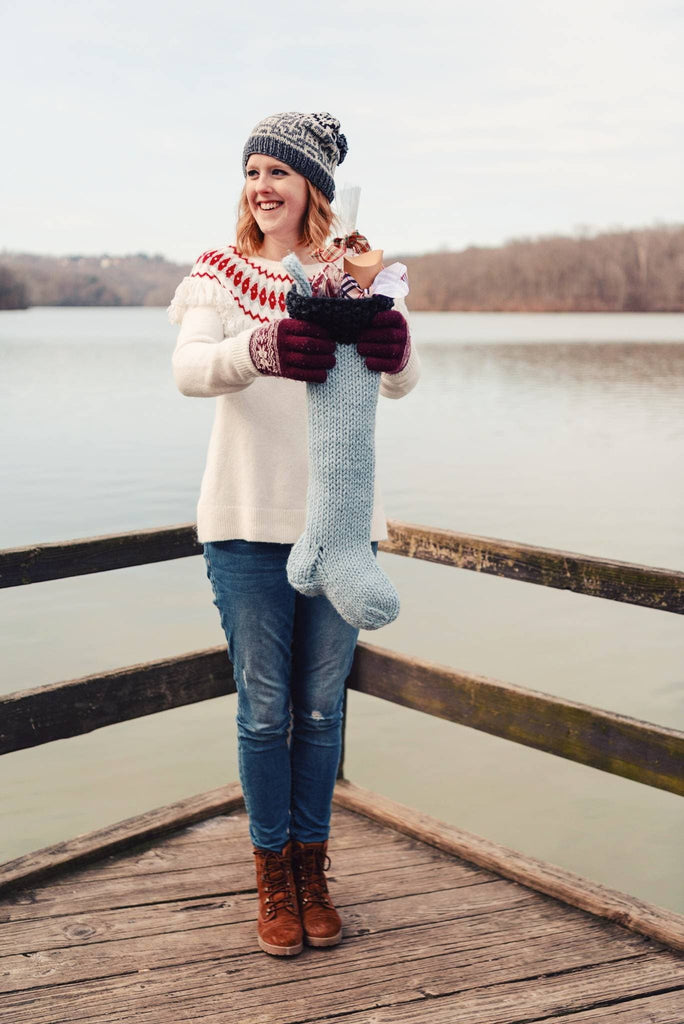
pixel 255 479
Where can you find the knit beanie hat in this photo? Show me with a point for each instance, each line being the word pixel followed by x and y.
pixel 311 144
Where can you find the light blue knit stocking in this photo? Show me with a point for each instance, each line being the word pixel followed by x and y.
pixel 333 556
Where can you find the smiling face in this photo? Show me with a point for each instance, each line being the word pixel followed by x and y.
pixel 278 198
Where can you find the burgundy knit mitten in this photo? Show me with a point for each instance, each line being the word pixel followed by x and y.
pixel 292 348
pixel 386 342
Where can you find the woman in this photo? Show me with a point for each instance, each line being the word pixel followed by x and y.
pixel 290 654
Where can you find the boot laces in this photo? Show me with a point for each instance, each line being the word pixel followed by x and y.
pixel 314 887
pixel 277 884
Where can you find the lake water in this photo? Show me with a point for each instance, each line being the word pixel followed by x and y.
pixel 562 430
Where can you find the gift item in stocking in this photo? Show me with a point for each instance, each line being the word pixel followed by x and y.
pixel 334 556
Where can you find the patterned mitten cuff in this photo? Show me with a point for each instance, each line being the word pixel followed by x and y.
pixel 263 349
pixel 292 348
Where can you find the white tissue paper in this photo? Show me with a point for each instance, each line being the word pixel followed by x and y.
pixel 392 281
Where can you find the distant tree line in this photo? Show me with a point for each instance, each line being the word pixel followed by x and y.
pixel 136 280
pixel 639 270
pixel 635 270
pixel 13 292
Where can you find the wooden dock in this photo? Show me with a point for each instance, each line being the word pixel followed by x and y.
pixel 164 932
pixel 152 920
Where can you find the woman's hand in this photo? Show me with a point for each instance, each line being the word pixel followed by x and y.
pixel 385 343
pixel 292 348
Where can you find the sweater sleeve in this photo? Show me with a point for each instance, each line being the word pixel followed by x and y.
pixel 205 363
pixel 396 385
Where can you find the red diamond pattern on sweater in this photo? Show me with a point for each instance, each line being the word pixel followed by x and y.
pixel 258 292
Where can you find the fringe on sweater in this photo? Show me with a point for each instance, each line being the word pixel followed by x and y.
pixel 198 291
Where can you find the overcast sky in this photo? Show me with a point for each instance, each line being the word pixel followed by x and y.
pixel 467 123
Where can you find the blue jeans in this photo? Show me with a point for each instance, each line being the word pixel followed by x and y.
pixel 291 656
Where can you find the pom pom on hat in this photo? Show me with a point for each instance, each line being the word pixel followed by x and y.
pixel 311 144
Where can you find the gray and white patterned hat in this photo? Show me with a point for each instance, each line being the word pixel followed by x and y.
pixel 311 144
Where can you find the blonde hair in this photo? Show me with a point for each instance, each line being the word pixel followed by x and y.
pixel 318 220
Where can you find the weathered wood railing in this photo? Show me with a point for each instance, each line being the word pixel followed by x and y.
pixel 647 753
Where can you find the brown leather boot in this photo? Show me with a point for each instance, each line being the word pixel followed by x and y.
pixel 320 921
pixel 279 926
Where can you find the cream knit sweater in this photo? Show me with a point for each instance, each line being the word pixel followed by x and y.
pixel 255 479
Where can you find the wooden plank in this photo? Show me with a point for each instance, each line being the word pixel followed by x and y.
pixel 510 986
pixel 646 918
pixel 206 840
pixel 76 706
pixel 658 1009
pixel 648 586
pixel 79 923
pixel 134 869
pixel 37 563
pixel 39 906
pixel 562 999
pixel 157 856
pixel 619 744
pixel 548 567
pixel 208 830
pixel 83 891
pixel 484 912
pixel 72 852
pixel 358 828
